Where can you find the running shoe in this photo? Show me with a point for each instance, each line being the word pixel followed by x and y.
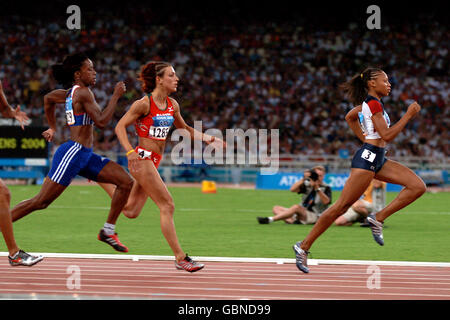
pixel 263 220
pixel 301 258
pixel 22 258
pixel 377 229
pixel 112 240
pixel 189 265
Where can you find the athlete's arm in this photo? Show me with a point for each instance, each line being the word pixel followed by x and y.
pixel 137 109
pixel 5 108
pixel 8 112
pixel 181 124
pixel 353 122
pixel 50 101
pixel 389 133
pixel 100 117
pixel 195 134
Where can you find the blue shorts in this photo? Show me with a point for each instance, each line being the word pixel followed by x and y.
pixel 72 159
pixel 369 157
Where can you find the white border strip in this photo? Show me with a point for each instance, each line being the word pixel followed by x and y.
pixel 230 259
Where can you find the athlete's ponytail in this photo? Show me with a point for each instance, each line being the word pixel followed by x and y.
pixel 149 72
pixel 356 87
pixel 63 72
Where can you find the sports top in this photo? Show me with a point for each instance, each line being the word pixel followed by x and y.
pixel 369 107
pixel 157 123
pixel 74 119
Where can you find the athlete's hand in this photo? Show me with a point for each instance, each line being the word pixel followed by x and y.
pixel 48 134
pixel 21 117
pixel 120 89
pixel 216 142
pixel 134 162
pixel 413 109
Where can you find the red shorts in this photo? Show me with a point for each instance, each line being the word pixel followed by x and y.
pixel 145 154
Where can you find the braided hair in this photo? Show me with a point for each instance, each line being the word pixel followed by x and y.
pixel 356 88
pixel 64 72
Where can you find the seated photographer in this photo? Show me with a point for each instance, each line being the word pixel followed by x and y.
pixel 373 200
pixel 316 198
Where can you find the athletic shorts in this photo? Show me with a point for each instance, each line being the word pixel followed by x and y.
pixel 369 157
pixel 145 154
pixel 72 159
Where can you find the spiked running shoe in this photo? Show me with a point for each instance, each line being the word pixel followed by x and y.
pixel 22 258
pixel 189 265
pixel 301 258
pixel 377 229
pixel 112 240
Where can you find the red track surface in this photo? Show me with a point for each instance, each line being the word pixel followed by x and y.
pixel 110 279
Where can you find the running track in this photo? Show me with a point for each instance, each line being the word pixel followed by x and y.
pixel 128 279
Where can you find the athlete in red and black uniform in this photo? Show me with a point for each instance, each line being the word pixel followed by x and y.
pixel 153 115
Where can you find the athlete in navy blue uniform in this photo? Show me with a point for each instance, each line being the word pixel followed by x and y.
pixel 76 157
pixel 16 256
pixel 365 91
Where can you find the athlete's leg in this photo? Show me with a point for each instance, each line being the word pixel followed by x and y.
pixel 49 192
pixel 136 199
pixel 357 182
pixel 5 219
pixel 151 182
pixel 414 187
pixel 114 174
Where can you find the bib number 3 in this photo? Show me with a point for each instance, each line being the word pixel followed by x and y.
pixel 368 155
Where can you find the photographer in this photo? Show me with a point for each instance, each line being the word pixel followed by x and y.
pixel 316 198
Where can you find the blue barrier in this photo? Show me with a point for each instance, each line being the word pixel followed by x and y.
pixel 29 168
pixel 284 180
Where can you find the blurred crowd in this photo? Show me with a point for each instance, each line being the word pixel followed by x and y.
pixel 267 75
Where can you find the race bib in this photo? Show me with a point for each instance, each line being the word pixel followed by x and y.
pixel 144 154
pixel 159 133
pixel 161 126
pixel 70 118
pixel 368 155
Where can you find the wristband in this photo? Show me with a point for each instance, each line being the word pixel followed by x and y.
pixel 129 152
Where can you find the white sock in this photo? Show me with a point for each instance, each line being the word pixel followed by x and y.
pixel 109 228
pixel 270 219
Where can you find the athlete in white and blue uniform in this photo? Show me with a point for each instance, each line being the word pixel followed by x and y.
pixel 369 156
pixel 72 158
pixel 75 157
pixel 365 91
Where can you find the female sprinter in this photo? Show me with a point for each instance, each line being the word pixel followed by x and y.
pixel 153 116
pixel 75 157
pixel 16 256
pixel 366 90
